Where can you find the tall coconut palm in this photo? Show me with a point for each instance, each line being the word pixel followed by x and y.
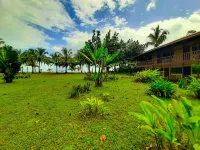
pixel 157 37
pixel 31 58
pixel 66 57
pixel 40 56
pixel 1 42
pixel 56 59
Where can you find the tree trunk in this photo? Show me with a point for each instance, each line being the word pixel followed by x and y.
pixel 39 67
pixel 56 70
pixel 66 68
pixel 89 68
pixel 32 70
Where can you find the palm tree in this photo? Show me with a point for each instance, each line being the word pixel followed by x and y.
pixel 158 37
pixel 1 41
pixel 66 57
pixel 40 56
pixel 190 32
pixel 56 59
pixel 30 58
pixel 9 63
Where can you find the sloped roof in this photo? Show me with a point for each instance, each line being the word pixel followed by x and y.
pixel 174 42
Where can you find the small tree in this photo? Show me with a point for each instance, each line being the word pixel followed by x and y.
pixel 100 59
pixel 9 63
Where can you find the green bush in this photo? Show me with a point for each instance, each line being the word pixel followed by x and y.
pixel 23 75
pixel 195 87
pixel 77 90
pixel 184 82
pixel 147 76
pixel 93 106
pixel 173 125
pixel 89 77
pixel 105 97
pixel 162 88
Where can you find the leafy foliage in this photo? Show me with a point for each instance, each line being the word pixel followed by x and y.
pixel 162 88
pixel 9 64
pixel 77 90
pixel 105 97
pixel 93 106
pixel 23 75
pixel 157 37
pixel 195 87
pixel 147 76
pixel 170 121
pixel 184 82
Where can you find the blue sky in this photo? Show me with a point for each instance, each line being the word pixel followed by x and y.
pixel 54 24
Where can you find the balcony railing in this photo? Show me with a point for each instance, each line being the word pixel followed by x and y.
pixel 175 59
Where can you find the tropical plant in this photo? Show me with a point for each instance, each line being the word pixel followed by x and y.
pixel 56 60
pixel 184 82
pixel 162 88
pixel 41 56
pixel 196 68
pixel 30 58
pixel 9 64
pixel 77 90
pixel 93 106
pixel 1 42
pixel 100 58
pixel 170 121
pixel 157 37
pixel 105 97
pixel 195 87
pixel 147 76
pixel 66 57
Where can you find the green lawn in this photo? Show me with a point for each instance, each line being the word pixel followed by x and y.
pixel 36 113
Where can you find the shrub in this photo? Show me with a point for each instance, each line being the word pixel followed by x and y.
pixel 23 75
pixel 147 76
pixel 89 77
pixel 77 90
pixel 195 87
pixel 184 82
pixel 162 88
pixel 93 106
pixel 171 123
pixel 105 97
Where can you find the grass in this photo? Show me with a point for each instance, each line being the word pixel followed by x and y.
pixel 37 113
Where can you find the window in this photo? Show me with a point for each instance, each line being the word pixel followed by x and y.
pixel 177 70
pixel 196 47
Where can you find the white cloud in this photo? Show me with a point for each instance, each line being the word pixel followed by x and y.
pixel 76 39
pixel 178 27
pixel 85 10
pixel 57 48
pixel 19 18
pixel 151 5
pixel 120 21
pixel 125 3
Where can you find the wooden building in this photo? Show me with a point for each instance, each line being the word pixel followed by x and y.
pixel 174 58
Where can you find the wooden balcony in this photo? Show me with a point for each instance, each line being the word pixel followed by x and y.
pixel 175 60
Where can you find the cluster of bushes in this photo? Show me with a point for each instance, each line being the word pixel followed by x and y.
pixel 173 126
pixel 79 89
pixel 147 76
pixel 22 75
